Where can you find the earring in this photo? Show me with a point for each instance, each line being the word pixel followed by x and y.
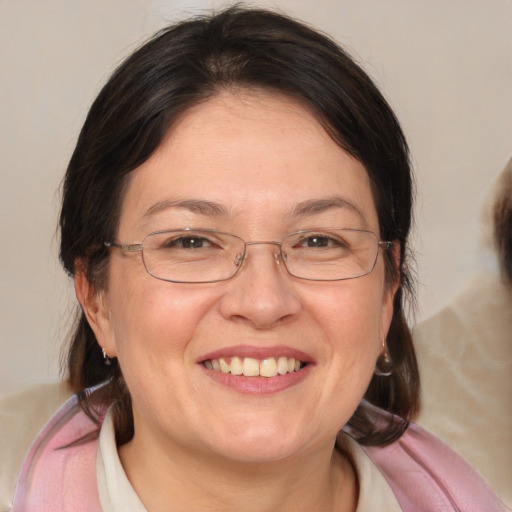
pixel 384 364
pixel 105 356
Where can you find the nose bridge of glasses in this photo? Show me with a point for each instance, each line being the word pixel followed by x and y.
pixel 278 254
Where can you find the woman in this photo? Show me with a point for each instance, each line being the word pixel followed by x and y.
pixel 235 218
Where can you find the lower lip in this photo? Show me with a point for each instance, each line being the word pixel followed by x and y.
pixel 259 385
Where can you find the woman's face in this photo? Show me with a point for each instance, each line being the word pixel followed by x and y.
pixel 257 165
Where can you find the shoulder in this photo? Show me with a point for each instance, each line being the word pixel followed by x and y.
pixel 22 416
pixel 425 474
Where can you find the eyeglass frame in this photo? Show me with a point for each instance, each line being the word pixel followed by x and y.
pixel 139 247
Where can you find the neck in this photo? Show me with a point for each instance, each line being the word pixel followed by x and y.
pixel 322 479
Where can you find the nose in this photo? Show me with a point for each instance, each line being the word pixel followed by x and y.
pixel 262 294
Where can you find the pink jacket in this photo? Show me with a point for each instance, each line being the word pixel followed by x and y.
pixel 425 474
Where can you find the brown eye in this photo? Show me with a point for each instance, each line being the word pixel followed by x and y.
pixel 320 241
pixel 189 242
pixel 317 241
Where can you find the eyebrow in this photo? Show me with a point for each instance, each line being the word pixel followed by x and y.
pixel 315 206
pixel 199 206
pixel 212 209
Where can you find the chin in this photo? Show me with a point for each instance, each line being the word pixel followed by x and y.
pixel 259 452
pixel 259 443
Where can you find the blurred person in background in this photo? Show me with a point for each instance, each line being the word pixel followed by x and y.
pixel 465 356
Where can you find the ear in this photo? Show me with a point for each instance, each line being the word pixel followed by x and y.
pixel 94 306
pixel 390 289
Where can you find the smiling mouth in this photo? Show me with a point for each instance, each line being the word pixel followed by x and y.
pixel 251 367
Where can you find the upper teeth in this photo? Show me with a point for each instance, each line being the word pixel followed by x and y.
pixel 250 367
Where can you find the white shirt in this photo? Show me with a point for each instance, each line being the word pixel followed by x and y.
pixel 117 494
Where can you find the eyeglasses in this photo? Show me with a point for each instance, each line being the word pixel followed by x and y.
pixel 207 256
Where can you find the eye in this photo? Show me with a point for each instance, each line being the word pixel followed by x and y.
pixel 320 240
pixel 187 242
pixel 317 241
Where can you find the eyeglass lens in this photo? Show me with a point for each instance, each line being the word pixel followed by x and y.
pixel 199 256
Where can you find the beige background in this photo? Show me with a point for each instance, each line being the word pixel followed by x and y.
pixel 444 65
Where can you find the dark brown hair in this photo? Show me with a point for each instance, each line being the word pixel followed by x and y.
pixel 188 63
pixel 502 223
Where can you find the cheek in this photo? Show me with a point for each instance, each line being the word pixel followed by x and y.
pixel 154 323
pixel 350 314
pixel 351 309
pixel 154 328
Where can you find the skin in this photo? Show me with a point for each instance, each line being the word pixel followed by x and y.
pixel 258 155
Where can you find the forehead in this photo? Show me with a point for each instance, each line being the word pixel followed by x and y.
pixel 254 152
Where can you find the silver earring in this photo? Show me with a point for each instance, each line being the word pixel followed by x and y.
pixel 384 364
pixel 105 356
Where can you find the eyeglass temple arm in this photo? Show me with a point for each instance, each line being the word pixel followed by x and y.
pixel 385 244
pixel 124 247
